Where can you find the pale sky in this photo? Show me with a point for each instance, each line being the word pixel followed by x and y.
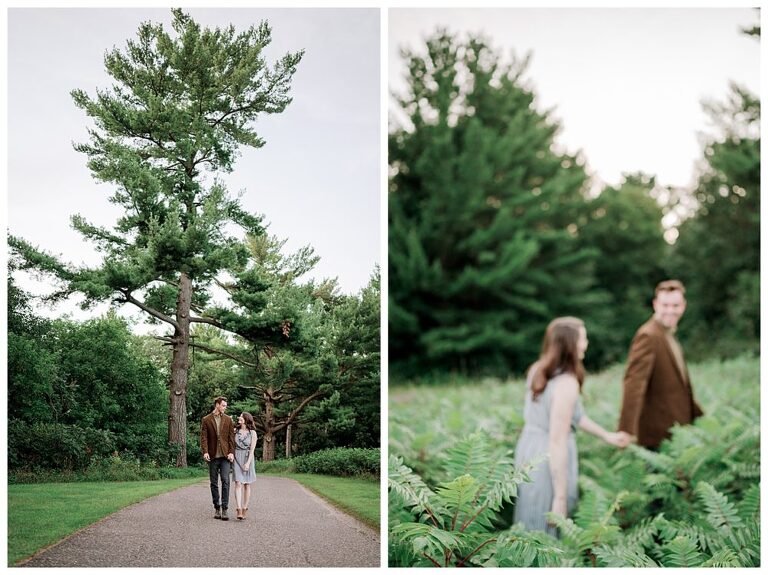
pixel 316 180
pixel 626 83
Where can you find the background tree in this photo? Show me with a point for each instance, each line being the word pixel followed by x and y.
pixel 624 227
pixel 718 252
pixel 298 343
pixel 179 110
pixel 483 216
pixel 79 390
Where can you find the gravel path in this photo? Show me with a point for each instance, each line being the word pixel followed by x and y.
pixel 287 526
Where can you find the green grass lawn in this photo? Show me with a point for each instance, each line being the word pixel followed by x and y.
pixel 358 497
pixel 42 514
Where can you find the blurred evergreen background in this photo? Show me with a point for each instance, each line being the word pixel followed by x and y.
pixel 494 230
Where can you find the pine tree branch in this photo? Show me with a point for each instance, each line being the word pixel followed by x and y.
pixel 127 297
pixel 208 320
pixel 298 410
pixel 221 352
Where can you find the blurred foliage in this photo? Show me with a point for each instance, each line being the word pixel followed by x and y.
pixel 695 502
pixel 718 253
pixel 483 216
pixel 492 232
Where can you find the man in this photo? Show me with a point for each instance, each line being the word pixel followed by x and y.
pixel 657 387
pixel 217 442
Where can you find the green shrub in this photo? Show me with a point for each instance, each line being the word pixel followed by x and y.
pixel 341 462
pixel 114 467
pixel 55 445
pixel 277 466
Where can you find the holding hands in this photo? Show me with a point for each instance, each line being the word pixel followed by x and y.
pixel 620 439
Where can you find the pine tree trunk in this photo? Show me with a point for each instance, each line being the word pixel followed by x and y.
pixel 268 448
pixel 177 416
pixel 268 451
pixel 288 442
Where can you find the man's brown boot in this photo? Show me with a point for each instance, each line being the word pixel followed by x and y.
pixel 224 516
pixel 217 515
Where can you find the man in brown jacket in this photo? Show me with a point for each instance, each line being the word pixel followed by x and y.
pixel 217 442
pixel 657 387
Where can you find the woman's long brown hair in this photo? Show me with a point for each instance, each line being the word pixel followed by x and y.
pixel 559 354
pixel 249 423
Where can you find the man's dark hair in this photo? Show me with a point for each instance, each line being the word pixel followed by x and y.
pixel 670 285
pixel 219 399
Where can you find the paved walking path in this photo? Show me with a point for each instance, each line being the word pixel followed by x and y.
pixel 287 526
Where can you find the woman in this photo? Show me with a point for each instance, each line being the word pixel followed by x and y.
pixel 553 411
pixel 245 469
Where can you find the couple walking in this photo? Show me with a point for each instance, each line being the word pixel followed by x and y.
pixel 225 448
pixel 657 394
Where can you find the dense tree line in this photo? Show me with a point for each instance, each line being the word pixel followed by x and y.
pixel 493 229
pixel 79 391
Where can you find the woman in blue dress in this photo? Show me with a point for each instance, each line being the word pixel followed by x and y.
pixel 553 411
pixel 244 464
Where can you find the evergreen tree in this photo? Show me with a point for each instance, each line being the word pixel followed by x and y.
pixel 718 252
pixel 624 227
pixel 179 110
pixel 483 216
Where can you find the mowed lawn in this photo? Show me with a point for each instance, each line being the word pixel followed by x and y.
pixel 356 496
pixel 44 513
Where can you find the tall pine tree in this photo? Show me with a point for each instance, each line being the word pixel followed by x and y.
pixel 180 108
pixel 483 216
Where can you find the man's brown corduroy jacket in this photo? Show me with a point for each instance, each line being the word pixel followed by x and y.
pixel 656 393
pixel 209 437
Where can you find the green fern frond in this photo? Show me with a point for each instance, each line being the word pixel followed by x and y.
pixel 569 531
pixel 622 555
pixel 409 487
pixel 428 541
pixel 745 542
pixel 456 497
pixel 682 552
pixel 591 507
pixel 749 506
pixel 517 548
pixel 656 481
pixel 503 487
pixel 642 535
pixel 745 470
pixel 658 461
pixel 476 455
pixel 721 513
pixel 723 558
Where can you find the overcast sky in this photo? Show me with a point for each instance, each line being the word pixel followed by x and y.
pixel 626 84
pixel 316 180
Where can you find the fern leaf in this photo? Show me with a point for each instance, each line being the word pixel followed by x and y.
pixel 519 548
pixel 569 531
pixel 658 461
pixel 749 507
pixel 456 496
pixel 721 513
pixel 723 558
pixel 409 487
pixel 425 540
pixel 622 556
pixel 682 552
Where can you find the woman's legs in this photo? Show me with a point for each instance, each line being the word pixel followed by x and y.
pixel 238 494
pixel 246 494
